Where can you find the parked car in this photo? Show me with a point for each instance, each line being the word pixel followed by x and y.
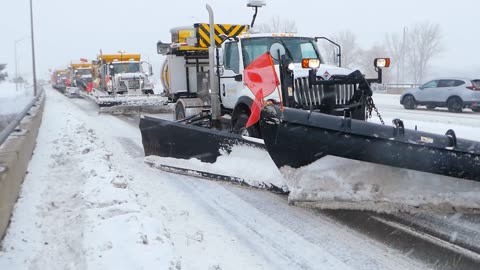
pixel 453 93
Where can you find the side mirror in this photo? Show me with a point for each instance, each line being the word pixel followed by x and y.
pixel 277 50
pixel 162 48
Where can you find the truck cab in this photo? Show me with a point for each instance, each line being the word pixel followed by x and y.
pixel 240 52
pixel 81 74
pixel 123 74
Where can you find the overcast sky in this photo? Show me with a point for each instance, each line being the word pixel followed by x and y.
pixel 67 30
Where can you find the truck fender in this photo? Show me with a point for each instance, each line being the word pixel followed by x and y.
pixel 188 106
pixel 243 105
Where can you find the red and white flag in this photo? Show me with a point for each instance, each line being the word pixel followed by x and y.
pixel 261 78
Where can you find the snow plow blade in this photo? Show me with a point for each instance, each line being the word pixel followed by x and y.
pixel 177 140
pixel 133 104
pixel 208 153
pixel 334 162
pixel 72 92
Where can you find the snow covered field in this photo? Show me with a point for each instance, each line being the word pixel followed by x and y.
pixel 12 101
pixel 90 202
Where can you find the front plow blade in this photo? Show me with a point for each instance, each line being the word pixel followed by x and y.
pixel 133 104
pixel 332 162
pixel 202 152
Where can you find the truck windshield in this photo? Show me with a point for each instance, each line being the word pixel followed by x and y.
pixel 297 48
pixel 82 72
pixel 126 68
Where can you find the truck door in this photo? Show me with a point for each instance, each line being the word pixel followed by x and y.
pixel 231 81
pixel 427 91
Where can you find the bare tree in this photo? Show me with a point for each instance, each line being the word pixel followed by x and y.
pixel 278 25
pixel 3 75
pixel 350 50
pixel 394 48
pixel 424 43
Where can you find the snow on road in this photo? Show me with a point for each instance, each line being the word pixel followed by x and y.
pixel 438 121
pixel 89 202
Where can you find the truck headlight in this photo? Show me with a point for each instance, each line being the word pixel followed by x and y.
pixel 312 63
pixel 291 66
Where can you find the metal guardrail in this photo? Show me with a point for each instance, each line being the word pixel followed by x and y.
pixel 12 126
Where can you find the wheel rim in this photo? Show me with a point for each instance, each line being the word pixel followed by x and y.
pixel 456 106
pixel 410 102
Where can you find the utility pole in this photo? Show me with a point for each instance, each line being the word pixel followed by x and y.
pixel 16 65
pixel 33 51
pixel 403 53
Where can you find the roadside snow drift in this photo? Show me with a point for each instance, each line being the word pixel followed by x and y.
pixel 338 183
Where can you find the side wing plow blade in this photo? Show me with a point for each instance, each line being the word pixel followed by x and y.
pixel 172 139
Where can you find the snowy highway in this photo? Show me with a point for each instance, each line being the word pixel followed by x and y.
pixel 90 202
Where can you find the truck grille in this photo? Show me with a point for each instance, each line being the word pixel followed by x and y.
pixel 134 84
pixel 131 83
pixel 311 97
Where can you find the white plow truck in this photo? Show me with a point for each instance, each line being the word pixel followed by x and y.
pixel 122 84
pixel 319 138
pixel 186 72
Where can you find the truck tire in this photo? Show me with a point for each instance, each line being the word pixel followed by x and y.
pixel 455 104
pixel 148 92
pixel 179 111
pixel 409 102
pixel 240 129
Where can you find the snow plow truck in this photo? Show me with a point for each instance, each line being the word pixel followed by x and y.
pixel 60 79
pixel 122 84
pixel 313 126
pixel 80 76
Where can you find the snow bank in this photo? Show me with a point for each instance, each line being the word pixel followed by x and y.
pixel 13 101
pixel 76 210
pixel 335 183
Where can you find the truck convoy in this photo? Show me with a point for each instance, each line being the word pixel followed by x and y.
pixel 314 127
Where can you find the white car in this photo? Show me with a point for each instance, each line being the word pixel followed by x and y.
pixel 453 93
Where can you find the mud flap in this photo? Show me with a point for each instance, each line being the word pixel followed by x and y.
pixel 333 162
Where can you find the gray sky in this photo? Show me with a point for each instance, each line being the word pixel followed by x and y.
pixel 67 30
